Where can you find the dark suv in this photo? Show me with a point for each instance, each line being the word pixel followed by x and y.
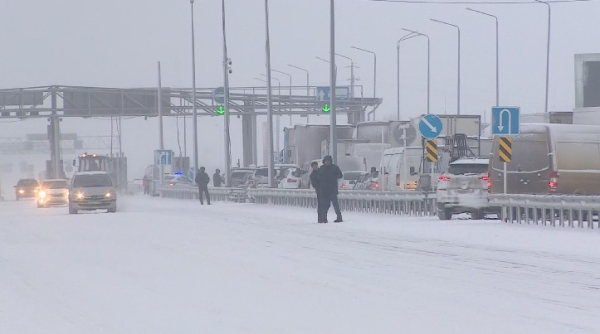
pixel 26 188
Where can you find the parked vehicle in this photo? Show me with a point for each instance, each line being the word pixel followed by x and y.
pixel 53 192
pixel 550 159
pixel 396 176
pixel 175 180
pixel 92 191
pixel 463 189
pixel 351 179
pixel 26 188
pixel 239 177
pixel 292 179
pixel 369 181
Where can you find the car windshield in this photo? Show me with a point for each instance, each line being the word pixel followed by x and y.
pixel 27 183
pixel 470 168
pixel 95 180
pixel 59 184
pixel 352 176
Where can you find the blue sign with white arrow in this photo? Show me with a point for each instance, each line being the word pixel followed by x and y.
pixel 323 93
pixel 505 121
pixel 430 126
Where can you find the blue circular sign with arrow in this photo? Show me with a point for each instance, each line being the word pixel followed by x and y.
pixel 430 126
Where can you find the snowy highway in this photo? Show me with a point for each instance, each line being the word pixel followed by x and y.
pixel 168 266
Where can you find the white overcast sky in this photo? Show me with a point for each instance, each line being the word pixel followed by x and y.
pixel 116 43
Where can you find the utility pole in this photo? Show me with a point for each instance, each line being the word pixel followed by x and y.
pixel 332 86
pixel 269 98
pixel 226 71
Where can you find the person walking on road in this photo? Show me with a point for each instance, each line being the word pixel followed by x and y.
pixel 202 181
pixel 314 182
pixel 328 176
pixel 217 179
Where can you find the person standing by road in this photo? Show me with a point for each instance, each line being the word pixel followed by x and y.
pixel 314 182
pixel 202 181
pixel 328 176
pixel 217 179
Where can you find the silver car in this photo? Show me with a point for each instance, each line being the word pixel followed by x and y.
pixel 92 191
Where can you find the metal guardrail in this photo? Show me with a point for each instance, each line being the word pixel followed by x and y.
pixel 550 210
pixel 191 193
pixel 399 203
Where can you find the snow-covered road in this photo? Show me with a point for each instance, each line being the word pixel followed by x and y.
pixel 166 266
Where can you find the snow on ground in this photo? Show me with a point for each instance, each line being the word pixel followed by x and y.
pixel 167 266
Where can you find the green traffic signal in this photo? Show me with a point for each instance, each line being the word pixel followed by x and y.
pixel 326 108
pixel 221 110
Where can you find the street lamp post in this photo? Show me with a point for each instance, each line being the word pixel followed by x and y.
pixel 374 73
pixel 332 84
pixel 270 165
pixel 194 108
pixel 405 37
pixel 351 74
pixel 458 84
pixel 278 118
pixel 307 83
pixel 497 53
pixel 226 70
pixel 547 53
pixel 428 65
pixel 290 91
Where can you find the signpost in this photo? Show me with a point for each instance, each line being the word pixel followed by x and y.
pixel 219 95
pixel 430 126
pixel 324 93
pixel 505 122
pixel 163 157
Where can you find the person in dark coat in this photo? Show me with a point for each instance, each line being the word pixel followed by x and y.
pixel 217 179
pixel 202 181
pixel 314 182
pixel 328 176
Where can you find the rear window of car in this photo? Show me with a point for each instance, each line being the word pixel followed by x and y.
pixel 60 184
pixel 169 178
pixel 27 183
pixel 239 175
pixel 95 180
pixel 352 175
pixel 262 172
pixel 470 168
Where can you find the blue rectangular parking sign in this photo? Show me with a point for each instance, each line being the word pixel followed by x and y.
pixel 505 121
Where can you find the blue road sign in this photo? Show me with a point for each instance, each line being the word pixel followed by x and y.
pixel 430 126
pixel 505 121
pixel 219 95
pixel 163 157
pixel 324 93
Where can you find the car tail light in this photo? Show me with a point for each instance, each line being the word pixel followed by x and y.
pixel 553 184
pixel 376 185
pixel 484 178
pixel 343 186
pixel 292 180
pixel 444 178
pixel 171 184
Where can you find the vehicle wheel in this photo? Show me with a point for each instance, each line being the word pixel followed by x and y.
pixel 445 214
pixel 18 198
pixel 39 206
pixel 477 215
pixel 112 209
pixel 72 211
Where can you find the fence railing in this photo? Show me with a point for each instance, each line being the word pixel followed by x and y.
pixel 192 193
pixel 553 210
pixel 399 203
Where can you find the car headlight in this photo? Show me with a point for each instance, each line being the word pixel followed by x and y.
pixel 42 194
pixel 108 195
pixel 79 195
pixel 21 191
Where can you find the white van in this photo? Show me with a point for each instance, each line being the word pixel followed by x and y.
pixel 550 159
